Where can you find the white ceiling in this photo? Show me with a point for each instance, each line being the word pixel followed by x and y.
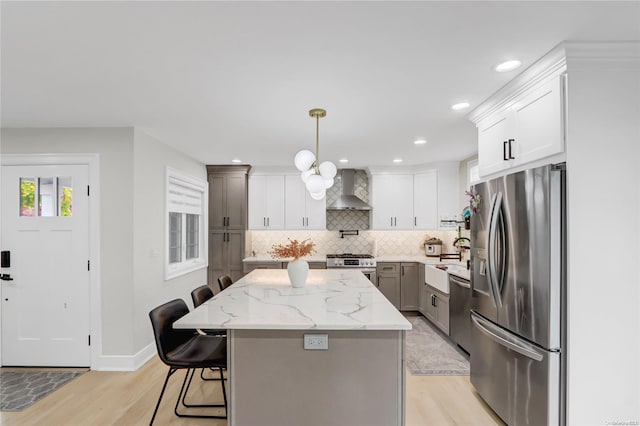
pixel 220 80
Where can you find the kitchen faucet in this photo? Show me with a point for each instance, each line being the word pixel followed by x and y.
pixel 462 247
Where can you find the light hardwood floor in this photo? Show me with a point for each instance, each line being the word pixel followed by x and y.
pixel 128 398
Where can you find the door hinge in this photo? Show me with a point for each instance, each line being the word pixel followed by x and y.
pixel 87 190
pixel 89 339
pixel 88 265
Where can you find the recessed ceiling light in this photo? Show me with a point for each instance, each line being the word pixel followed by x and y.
pixel 459 106
pixel 397 160
pixel 343 160
pixel 236 160
pixel 508 65
pixel 420 141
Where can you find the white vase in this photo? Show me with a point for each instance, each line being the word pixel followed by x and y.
pixel 298 271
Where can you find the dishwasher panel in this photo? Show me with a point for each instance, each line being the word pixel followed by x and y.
pixel 459 311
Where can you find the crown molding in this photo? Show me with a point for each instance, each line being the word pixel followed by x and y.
pixel 566 55
pixel 226 168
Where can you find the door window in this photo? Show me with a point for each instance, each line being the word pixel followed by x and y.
pixel 46 196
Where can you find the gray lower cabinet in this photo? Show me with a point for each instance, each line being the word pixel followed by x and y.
pixel 409 286
pixel 422 291
pixel 437 308
pixel 389 281
pixel 399 282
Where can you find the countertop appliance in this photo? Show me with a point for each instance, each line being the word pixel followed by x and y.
pixel 433 247
pixel 460 312
pixel 519 296
pixel 365 263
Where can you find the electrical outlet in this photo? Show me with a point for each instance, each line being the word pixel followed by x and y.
pixel 316 342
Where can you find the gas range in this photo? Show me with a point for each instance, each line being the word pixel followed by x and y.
pixel 350 260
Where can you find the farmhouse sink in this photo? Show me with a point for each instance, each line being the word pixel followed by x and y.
pixel 459 270
pixel 439 278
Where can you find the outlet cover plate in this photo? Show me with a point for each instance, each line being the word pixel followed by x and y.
pixel 316 342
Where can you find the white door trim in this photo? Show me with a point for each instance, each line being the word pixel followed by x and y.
pixel 93 162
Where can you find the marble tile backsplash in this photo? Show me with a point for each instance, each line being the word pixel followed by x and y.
pixel 388 243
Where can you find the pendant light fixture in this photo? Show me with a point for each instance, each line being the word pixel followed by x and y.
pixel 318 177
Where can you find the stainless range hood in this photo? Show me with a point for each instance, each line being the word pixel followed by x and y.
pixel 347 199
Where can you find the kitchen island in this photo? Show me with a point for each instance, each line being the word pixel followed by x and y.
pixel 274 380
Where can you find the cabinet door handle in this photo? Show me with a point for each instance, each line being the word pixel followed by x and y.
pixel 402 269
pixel 268 221
pixel 395 221
pixel 504 150
pixel 415 221
pixel 391 224
pixel 510 156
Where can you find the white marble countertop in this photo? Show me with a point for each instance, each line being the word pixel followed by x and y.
pixel 385 258
pixel 333 299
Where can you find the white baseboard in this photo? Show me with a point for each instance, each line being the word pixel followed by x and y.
pixel 126 362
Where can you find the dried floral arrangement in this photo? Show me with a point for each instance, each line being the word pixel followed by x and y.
pixel 294 248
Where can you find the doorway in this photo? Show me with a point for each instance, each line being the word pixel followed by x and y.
pixel 47 301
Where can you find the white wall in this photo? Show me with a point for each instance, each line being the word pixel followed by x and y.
pixel 603 151
pixel 132 174
pixel 150 159
pixel 115 146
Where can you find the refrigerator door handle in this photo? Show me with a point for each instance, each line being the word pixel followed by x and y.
pixel 501 239
pixel 492 278
pixel 510 342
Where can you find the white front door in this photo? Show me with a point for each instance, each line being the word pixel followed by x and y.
pixel 46 307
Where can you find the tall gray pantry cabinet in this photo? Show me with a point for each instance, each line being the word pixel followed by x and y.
pixel 227 221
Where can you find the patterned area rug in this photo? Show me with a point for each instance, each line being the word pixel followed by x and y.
pixel 21 389
pixel 429 353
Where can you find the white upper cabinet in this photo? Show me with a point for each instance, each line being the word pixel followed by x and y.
pixel 266 202
pixel 425 200
pixel 392 200
pixel 302 211
pixel 415 200
pixel 528 128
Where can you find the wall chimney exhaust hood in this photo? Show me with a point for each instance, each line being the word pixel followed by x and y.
pixel 347 200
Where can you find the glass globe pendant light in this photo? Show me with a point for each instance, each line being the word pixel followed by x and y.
pixel 318 177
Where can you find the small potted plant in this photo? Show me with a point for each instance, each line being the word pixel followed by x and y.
pixel 298 269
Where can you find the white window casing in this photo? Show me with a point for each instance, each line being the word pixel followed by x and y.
pixel 185 224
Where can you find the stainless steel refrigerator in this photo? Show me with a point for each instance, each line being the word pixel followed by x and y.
pixel 518 295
